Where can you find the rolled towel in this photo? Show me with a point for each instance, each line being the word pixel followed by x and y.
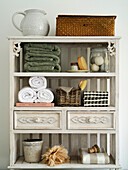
pixel 38 82
pixel 27 95
pixel 45 96
pixel 94 158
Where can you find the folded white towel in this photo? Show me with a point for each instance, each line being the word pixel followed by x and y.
pixel 27 95
pixel 45 96
pixel 38 82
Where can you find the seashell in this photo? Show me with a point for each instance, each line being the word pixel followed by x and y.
pixel 99 60
pixel 94 67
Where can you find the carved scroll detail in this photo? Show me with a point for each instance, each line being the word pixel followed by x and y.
pixel 112 48
pixel 90 120
pixel 16 48
pixel 32 120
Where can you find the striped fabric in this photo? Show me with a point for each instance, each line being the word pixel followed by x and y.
pixel 94 158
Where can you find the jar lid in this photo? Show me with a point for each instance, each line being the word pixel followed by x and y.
pixel 74 64
pixel 99 49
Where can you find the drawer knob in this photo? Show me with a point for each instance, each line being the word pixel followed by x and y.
pixel 37 120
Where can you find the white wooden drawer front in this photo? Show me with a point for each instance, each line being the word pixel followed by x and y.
pixel 87 120
pixel 37 120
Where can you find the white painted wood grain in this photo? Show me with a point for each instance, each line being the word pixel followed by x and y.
pixel 72 139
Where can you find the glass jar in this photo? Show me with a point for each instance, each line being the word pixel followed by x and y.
pixel 99 60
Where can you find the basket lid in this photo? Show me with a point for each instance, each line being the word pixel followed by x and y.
pixel 88 16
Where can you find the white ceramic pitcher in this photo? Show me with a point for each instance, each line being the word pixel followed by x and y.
pixel 33 23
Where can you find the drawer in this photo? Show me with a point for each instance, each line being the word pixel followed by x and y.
pixel 90 120
pixel 37 120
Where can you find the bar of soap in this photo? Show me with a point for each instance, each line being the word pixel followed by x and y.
pixel 82 63
pixel 94 67
pixel 99 60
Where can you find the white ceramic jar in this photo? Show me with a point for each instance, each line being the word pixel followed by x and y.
pixel 33 23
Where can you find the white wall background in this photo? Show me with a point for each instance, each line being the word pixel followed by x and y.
pixel 53 8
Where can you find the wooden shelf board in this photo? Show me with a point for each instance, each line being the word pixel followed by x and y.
pixel 62 74
pixel 22 164
pixel 64 39
pixel 67 108
pixel 44 131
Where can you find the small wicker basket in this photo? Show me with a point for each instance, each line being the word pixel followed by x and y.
pixel 68 99
pixel 85 25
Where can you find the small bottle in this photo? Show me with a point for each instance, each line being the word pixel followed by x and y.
pixel 74 66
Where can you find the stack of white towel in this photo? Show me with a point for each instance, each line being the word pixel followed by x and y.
pixel 37 92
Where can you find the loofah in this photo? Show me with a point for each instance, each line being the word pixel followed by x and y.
pixel 55 156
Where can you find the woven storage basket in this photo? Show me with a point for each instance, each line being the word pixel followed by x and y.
pixel 80 25
pixel 68 99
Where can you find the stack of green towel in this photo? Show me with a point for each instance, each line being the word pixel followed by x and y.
pixel 41 57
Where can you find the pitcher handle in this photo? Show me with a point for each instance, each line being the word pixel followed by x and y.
pixel 13 20
pixel 44 12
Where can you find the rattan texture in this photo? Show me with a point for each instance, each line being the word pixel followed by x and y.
pixel 68 99
pixel 85 26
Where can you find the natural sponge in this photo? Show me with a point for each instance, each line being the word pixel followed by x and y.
pixel 55 156
pixel 82 63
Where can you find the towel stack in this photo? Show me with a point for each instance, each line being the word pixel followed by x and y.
pixel 37 92
pixel 41 57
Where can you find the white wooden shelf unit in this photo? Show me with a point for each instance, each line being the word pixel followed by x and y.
pixel 69 127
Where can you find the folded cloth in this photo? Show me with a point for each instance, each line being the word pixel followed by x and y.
pixel 94 158
pixel 45 96
pixel 27 95
pixel 66 89
pixel 38 82
pixel 41 67
pixel 37 57
pixel 42 48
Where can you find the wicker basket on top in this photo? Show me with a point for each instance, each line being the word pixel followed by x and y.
pixel 85 25
pixel 67 96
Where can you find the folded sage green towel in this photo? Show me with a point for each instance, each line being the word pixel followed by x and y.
pixel 37 57
pixel 41 67
pixel 42 48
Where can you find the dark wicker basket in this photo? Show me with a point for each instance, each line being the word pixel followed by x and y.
pixel 78 25
pixel 68 99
